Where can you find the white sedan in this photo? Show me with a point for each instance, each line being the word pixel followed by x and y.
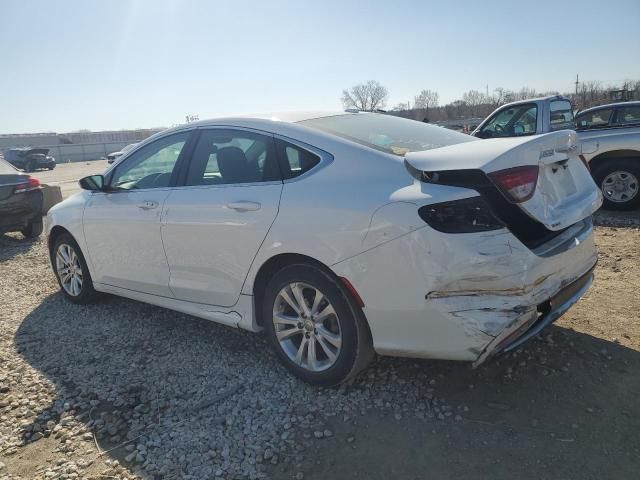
pixel 339 235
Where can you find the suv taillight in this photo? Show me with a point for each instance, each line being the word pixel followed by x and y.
pixel 518 183
pixel 30 184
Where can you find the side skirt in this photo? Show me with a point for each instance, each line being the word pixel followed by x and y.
pixel 238 316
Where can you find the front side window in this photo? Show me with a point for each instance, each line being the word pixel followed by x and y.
pixel 151 166
pixel 223 157
pixel 561 113
pixel 628 115
pixel 513 121
pixel 387 133
pixel 595 119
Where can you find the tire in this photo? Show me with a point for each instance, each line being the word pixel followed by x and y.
pixel 343 333
pixel 34 229
pixel 619 180
pixel 85 293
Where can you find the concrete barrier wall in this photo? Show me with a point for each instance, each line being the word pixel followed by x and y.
pixel 83 152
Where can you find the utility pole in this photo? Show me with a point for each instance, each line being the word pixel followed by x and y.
pixel 577 84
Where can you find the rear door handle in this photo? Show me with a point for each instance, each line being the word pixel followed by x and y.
pixel 148 205
pixel 244 206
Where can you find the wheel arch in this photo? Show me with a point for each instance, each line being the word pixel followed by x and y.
pixel 276 263
pixel 599 160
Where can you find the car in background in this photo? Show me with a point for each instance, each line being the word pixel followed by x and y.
pixel 115 155
pixel 30 159
pixel 609 139
pixel 610 136
pixel 20 202
pixel 339 235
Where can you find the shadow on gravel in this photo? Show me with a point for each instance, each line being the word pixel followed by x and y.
pixel 621 219
pixel 193 397
pixel 12 245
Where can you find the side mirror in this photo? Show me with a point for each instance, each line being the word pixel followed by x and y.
pixel 94 183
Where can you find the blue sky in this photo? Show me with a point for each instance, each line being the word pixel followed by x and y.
pixel 74 64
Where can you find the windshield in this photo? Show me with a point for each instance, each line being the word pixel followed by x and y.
pixel 387 133
pixel 6 168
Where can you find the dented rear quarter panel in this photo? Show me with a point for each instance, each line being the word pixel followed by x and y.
pixel 453 294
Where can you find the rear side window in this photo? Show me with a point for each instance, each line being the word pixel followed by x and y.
pixel 561 115
pixel 596 119
pixel 294 160
pixel 627 115
pixel 224 157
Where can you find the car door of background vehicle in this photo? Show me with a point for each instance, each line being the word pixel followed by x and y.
pixel 213 225
pixel 122 227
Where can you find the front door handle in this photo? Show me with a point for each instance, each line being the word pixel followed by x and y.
pixel 244 206
pixel 148 205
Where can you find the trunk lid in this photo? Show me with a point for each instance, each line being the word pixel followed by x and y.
pixel 565 192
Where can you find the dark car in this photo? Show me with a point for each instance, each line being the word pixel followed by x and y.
pixel 30 159
pixel 20 202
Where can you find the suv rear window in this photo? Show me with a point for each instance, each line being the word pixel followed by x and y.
pixel 628 115
pixel 387 133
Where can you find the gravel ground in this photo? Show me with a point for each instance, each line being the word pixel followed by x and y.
pixel 121 389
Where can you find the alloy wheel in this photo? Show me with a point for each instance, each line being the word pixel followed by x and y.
pixel 307 327
pixel 69 269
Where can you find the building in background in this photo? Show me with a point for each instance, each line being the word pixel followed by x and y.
pixel 77 146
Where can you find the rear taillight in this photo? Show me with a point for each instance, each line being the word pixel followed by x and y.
pixel 518 183
pixel 30 184
pixel 469 215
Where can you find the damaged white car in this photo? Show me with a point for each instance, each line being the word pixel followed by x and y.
pixel 339 235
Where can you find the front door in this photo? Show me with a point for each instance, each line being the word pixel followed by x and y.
pixel 213 226
pixel 122 226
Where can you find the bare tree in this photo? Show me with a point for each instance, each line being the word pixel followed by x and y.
pixel 474 99
pixel 368 96
pixel 426 99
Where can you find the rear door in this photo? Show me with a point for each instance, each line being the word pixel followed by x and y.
pixel 215 222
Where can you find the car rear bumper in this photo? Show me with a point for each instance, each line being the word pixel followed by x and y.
pixel 467 296
pixel 18 210
pixel 530 326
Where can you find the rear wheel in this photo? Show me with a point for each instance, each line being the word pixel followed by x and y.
pixel 71 270
pixel 314 329
pixel 34 229
pixel 619 180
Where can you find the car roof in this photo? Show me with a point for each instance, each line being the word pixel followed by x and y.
pixel 610 105
pixel 536 99
pixel 288 117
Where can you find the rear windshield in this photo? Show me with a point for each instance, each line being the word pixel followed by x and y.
pixel 388 133
pixel 6 168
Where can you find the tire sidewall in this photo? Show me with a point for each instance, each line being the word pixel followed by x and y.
pixel 629 165
pixel 86 292
pixel 346 360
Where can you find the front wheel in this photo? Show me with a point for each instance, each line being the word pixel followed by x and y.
pixel 71 270
pixel 314 329
pixel 619 180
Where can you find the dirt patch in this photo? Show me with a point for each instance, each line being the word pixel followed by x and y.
pixel 127 390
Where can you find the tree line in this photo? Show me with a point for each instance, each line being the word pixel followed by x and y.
pixel 372 96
